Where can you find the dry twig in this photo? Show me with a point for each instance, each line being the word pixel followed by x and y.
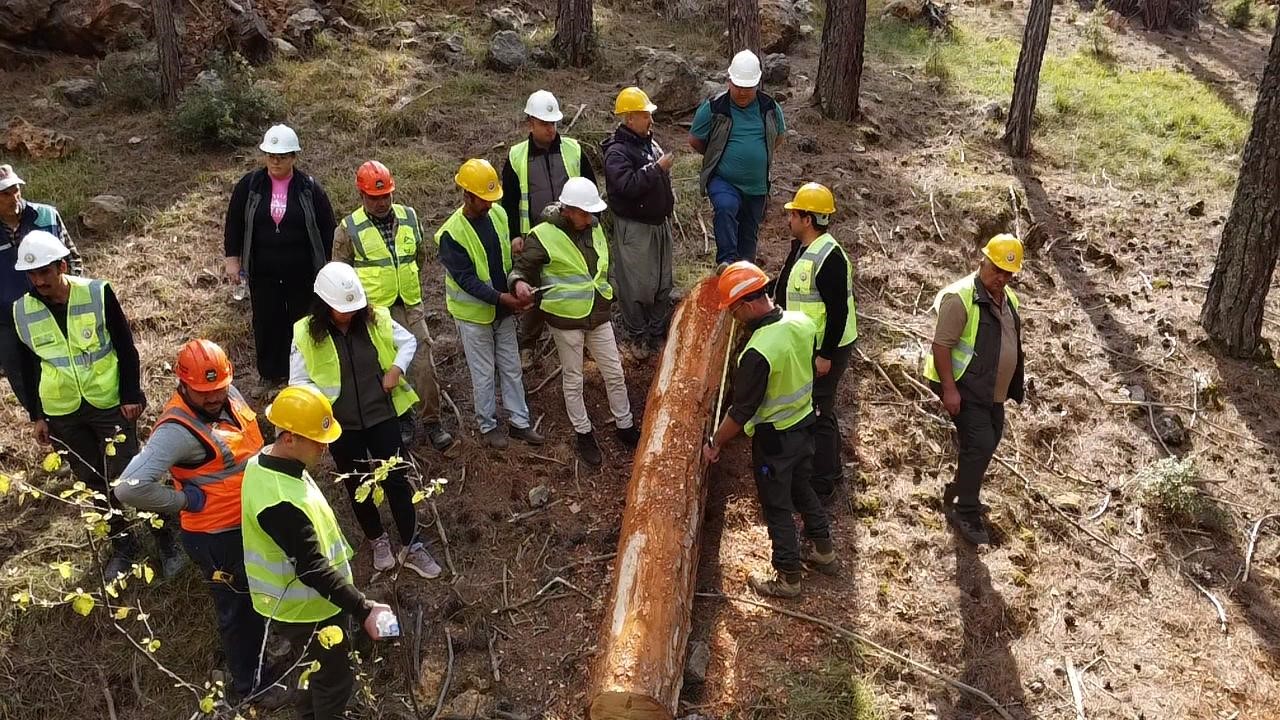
pixel 530 513
pixel 448 677
pixel 546 380
pixel 1243 575
pixel 444 540
pixel 1217 604
pixel 575 116
pixel 934 215
pixel 1077 692
pixel 106 691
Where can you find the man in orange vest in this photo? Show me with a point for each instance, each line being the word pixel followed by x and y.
pixel 204 439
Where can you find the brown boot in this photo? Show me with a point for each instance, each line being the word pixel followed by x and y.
pixel 821 557
pixel 775 584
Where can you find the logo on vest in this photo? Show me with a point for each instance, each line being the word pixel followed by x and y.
pixel 86 334
pixel 804 276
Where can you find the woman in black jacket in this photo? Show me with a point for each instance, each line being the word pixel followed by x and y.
pixel 278 234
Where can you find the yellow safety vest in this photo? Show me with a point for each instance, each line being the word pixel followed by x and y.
pixel 386 277
pixel 461 304
pixel 323 369
pixel 788 346
pixel 570 155
pixel 80 363
pixel 573 288
pixel 962 353
pixel 802 290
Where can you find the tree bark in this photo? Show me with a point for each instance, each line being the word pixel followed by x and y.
pixel 1026 80
pixel 1233 309
pixel 744 26
pixel 170 60
pixel 645 631
pixel 840 65
pixel 575 36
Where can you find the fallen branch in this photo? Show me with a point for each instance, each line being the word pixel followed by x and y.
pixel 530 513
pixel 871 645
pixel 549 459
pixel 448 677
pixel 1217 605
pixel 880 369
pixel 546 380
pixel 1151 418
pixel 1077 692
pixel 1243 575
pixel 557 580
pixel 493 657
pixel 453 406
pixel 894 326
pixel 934 215
pixel 575 117
pixel 444 540
pixel 106 691
pixel 879 240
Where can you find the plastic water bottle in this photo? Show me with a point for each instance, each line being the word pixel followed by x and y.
pixel 388 625
pixel 241 291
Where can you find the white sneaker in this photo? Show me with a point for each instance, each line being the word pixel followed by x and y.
pixel 383 558
pixel 417 559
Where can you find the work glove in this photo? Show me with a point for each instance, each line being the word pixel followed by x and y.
pixel 195 497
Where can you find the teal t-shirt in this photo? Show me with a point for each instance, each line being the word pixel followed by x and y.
pixel 745 164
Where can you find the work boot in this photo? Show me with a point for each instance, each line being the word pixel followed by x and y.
pixel 629 436
pixel 969 525
pixel 118 565
pixel 417 559
pixel 527 359
pixel 408 430
pixel 775 584
pixel 172 560
pixel 588 450
pixel 527 435
pixel 273 698
pixel 821 557
pixel 494 438
pixel 639 351
pixel 383 558
pixel 440 438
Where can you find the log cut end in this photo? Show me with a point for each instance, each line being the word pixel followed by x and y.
pixel 627 706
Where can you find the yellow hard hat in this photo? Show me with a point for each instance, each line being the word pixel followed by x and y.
pixel 813 197
pixel 632 99
pixel 1005 251
pixel 304 410
pixel 478 177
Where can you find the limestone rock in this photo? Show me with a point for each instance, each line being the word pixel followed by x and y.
pixel 695 665
pixel 539 496
pixel 507 52
pixel 469 705
pixel 777 69
pixel 779 26
pixel 671 81
pixel 104 213
pixel 302 26
pixel 78 92
pixel 285 48
pixel 37 142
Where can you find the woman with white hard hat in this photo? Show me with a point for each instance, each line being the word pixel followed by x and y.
pixel 277 236
pixel 356 355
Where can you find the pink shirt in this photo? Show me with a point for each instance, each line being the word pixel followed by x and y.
pixel 279 198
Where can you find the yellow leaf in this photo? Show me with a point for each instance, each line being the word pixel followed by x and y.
pixel 157 522
pixel 82 603
pixel 51 462
pixel 111 450
pixel 122 613
pixel 5 483
pixel 419 496
pixel 378 494
pixel 362 492
pixel 148 574
pixel 63 568
pixel 22 598
pixel 329 636
pixel 153 646
pixel 304 679
pixel 206 705
pixel 111 590
pixel 120 438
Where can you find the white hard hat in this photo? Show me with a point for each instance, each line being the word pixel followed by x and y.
pixel 9 178
pixel 338 286
pixel 581 193
pixel 280 139
pixel 38 249
pixel 744 70
pixel 544 106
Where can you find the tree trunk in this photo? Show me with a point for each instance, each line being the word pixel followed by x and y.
pixel 840 65
pixel 575 36
pixel 1232 312
pixel 170 61
pixel 744 26
pixel 1026 81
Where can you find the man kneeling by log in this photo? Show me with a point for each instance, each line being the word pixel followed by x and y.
pixel 773 405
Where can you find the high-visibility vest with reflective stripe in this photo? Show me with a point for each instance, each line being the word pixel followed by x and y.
pixel 79 364
pixel 323 367
pixel 802 287
pixel 230 446
pixel 962 353
pixel 573 288
pixel 386 278
pixel 788 346
pixel 570 155
pixel 463 305
pixel 274 586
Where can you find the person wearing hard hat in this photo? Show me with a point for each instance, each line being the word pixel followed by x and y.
pixel 566 260
pixel 278 234
pixel 773 405
pixel 79 355
pixel 475 249
pixel 532 177
pixel 297 561
pixel 204 439
pixel 975 365
pixel 383 241
pixel 637 175
pixel 817 280
pixel 19 216
pixel 737 132
pixel 356 355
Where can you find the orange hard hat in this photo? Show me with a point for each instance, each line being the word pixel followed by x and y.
pixel 740 280
pixel 203 366
pixel 373 178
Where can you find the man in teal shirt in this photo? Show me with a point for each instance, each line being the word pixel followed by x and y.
pixel 737 132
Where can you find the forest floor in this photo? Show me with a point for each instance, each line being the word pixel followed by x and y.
pixel 1122 206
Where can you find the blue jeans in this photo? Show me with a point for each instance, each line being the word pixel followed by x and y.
pixel 737 220
pixel 488 348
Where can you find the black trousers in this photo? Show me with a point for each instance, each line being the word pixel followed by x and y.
pixel 330 687
pixel 11 350
pixel 359 451
pixel 277 304
pixel 782 463
pixel 828 470
pixel 220 557
pixel 979 427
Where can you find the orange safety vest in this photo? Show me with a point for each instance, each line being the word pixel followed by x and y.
pixel 229 447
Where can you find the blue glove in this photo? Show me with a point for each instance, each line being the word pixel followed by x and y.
pixel 195 497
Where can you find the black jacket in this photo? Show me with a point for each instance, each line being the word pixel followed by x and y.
pixel 304 238
pixel 638 188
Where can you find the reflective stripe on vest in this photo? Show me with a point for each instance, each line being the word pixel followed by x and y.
pixel 570 155
pixel 461 304
pixel 802 288
pixel 962 353
pixel 386 278
pixel 573 288
pixel 274 586
pixel 321 358
pixel 787 345
pixel 78 364
pixel 221 476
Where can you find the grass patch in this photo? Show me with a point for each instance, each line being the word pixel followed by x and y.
pixel 835 692
pixel 66 183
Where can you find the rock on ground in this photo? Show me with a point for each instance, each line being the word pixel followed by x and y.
pixel 78 92
pixel 779 26
pixel 697 661
pixel 671 81
pixel 507 18
pixel 507 52
pixel 104 213
pixel 37 142
pixel 777 69
pixel 80 27
pixel 285 48
pixel 469 705
pixel 302 26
